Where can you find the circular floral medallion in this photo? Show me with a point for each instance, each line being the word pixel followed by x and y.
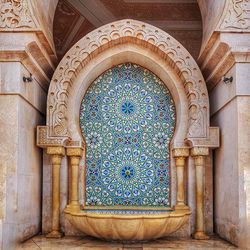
pixel 127 118
pixel 127 172
pixel 127 108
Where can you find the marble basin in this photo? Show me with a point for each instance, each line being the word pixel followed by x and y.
pixel 128 225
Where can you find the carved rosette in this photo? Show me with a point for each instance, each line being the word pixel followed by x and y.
pixel 236 16
pixel 16 14
pixel 139 33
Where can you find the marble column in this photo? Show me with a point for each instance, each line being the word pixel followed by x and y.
pixel 56 155
pixel 199 154
pixel 180 155
pixel 75 155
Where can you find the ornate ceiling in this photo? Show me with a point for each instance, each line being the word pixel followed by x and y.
pixel 75 18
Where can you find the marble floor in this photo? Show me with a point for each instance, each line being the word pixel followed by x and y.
pixel 84 243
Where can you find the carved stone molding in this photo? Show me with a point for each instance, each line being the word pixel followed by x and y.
pixel 56 151
pixel 237 16
pixel 199 151
pixel 181 152
pixel 16 14
pixel 74 152
pixel 44 140
pixel 141 34
pixel 212 140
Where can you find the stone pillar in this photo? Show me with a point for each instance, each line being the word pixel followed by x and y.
pixel 180 154
pixel 225 62
pixel 199 154
pixel 56 155
pixel 75 155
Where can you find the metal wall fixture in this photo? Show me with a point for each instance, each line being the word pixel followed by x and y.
pixel 227 80
pixel 28 78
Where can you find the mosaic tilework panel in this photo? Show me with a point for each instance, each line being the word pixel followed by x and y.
pixel 127 118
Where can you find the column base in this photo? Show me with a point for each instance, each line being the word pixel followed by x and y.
pixel 54 234
pixel 181 207
pixel 200 236
pixel 73 208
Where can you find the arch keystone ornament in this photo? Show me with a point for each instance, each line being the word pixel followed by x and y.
pixel 128 41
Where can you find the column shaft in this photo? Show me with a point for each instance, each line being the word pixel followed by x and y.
pixel 180 181
pixel 75 155
pixel 56 156
pixel 180 154
pixel 199 162
pixel 199 194
pixel 56 164
pixel 74 160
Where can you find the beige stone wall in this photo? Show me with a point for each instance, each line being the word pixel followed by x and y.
pixel 20 159
pixel 230 110
pixel 22 108
pixel 26 47
pixel 243 105
pixel 225 53
pixel 226 175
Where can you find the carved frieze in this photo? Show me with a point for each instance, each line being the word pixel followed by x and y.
pixel 237 16
pixel 15 14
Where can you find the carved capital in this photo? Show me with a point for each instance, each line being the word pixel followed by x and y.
pixel 75 144
pixel 56 151
pixel 78 152
pixel 180 152
pixel 199 151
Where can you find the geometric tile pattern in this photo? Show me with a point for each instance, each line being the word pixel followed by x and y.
pixel 127 118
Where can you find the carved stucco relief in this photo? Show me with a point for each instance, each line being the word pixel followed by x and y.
pixel 236 16
pixel 95 42
pixel 16 14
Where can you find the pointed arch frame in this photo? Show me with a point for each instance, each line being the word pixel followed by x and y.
pixel 126 31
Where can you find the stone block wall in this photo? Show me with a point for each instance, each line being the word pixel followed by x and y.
pixel 22 108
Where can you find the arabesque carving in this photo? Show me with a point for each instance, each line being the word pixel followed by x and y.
pixel 44 140
pixel 180 152
pixel 125 31
pixel 237 15
pixel 15 14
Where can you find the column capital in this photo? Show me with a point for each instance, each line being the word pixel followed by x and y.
pixel 78 152
pixel 56 151
pixel 199 151
pixel 180 152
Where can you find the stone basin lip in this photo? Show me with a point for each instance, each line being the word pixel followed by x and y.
pixel 124 227
pixel 157 214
